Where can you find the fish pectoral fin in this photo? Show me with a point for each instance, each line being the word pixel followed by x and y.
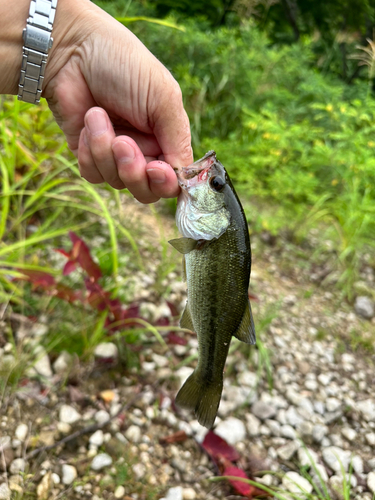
pixel 184 245
pixel 186 321
pixel 246 330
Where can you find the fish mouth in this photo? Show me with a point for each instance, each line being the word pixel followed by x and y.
pixel 197 171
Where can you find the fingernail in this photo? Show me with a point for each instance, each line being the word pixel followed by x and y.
pixel 156 175
pixel 123 152
pixel 96 122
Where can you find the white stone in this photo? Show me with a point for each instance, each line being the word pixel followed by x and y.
pixel 319 431
pixel 324 378
pixel 5 492
pixel 55 478
pixel 232 430
pixel 100 461
pixel 371 481
pixel 119 492
pixel 183 373
pixel 247 379
pixel 348 433
pixel 332 404
pixel 319 475
pixel 174 494
pixel 307 457
pixel 42 364
pixel 288 432
pixel 188 494
pixel 295 483
pixel 68 414
pixel 336 458
pixel 252 424
pixel 263 410
pixel 139 470
pixel 69 474
pixel 22 432
pixel 364 307
pixel 370 438
pixel 106 350
pixel 287 451
pixel 293 417
pixel 62 363
pixel 18 465
pixel 367 408
pixel 274 427
pixel 133 434
pixel 63 428
pixel 102 416
pixel 357 464
pixel 97 438
pixel 5 442
pixel 160 361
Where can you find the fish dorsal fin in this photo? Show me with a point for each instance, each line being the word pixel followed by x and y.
pixel 186 321
pixel 184 245
pixel 246 330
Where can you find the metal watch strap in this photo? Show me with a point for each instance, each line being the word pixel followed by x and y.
pixel 37 39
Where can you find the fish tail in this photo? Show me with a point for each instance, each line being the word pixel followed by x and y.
pixel 202 397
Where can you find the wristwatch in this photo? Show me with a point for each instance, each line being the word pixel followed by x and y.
pixel 37 42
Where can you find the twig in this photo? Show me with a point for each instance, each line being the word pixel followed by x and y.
pixel 85 430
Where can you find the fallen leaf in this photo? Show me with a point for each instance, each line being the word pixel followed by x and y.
pixel 107 396
pixel 177 437
pixel 241 487
pixel 219 448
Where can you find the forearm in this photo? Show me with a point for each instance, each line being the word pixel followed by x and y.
pixel 13 17
pixel 12 22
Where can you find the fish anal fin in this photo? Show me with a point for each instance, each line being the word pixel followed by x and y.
pixel 246 330
pixel 186 321
pixel 184 245
pixel 203 398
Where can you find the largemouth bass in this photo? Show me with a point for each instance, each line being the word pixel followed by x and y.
pixel 217 260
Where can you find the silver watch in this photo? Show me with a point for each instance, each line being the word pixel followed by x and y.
pixel 37 42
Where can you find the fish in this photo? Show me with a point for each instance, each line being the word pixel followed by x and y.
pixel 215 244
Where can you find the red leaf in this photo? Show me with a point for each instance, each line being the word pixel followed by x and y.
pixel 37 278
pixel 173 309
pixel 252 296
pixel 69 267
pixel 242 488
pixel 81 253
pixel 172 338
pixel 63 252
pixel 219 448
pixel 68 294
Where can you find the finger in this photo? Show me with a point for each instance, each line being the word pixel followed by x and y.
pixel 100 134
pixel 131 166
pixel 171 127
pixel 86 162
pixel 162 179
pixel 147 143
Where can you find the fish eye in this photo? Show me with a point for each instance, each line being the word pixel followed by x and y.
pixel 217 183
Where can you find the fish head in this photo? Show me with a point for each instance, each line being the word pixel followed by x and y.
pixel 201 209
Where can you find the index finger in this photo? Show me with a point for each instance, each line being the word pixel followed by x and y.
pixel 172 127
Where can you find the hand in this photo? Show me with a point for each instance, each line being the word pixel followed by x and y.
pixel 119 107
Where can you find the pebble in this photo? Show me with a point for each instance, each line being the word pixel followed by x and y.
pixel 349 434
pixel 252 424
pixel 232 430
pixel 174 494
pixel 62 363
pixel 69 474
pixel 336 458
pixel 367 409
pixel 119 492
pixel 18 465
pixel 106 350
pixel 133 434
pixel 371 481
pixel 288 432
pixel 295 483
pixel 102 416
pixel 307 457
pixel 5 492
pixel 100 461
pixel 318 433
pixel 69 415
pixel 262 410
pixel 364 307
pixel 139 470
pixel 247 379
pixel 188 494
pixel 43 365
pixel 97 438
pixel 22 432
pixel 287 451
